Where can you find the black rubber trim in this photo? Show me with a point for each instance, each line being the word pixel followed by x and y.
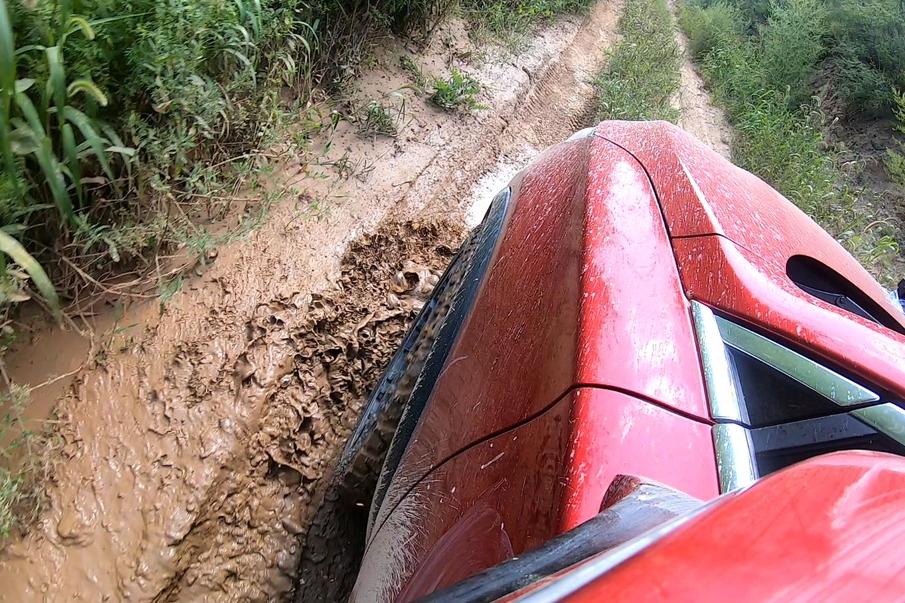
pixel 648 507
pixel 491 229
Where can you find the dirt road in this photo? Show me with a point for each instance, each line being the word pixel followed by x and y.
pixel 191 448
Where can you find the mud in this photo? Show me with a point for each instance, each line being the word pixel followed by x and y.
pixel 196 432
pixel 331 349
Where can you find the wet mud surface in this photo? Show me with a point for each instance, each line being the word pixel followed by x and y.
pixel 240 441
pixel 330 350
pixel 192 452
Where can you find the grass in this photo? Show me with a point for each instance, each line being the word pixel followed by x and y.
pixel 759 79
pixel 111 111
pixel 458 91
pixel 509 21
pixel 642 73
pixel 895 157
pixel 419 79
pixel 378 119
pixel 20 499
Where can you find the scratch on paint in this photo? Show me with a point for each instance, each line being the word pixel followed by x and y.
pixel 492 461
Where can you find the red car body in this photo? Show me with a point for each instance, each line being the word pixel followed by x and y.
pixel 579 361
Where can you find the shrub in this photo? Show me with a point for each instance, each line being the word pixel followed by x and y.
pixel 458 90
pixel 792 45
pixel 862 87
pixel 895 158
pixel 781 142
pixel 869 37
pixel 718 26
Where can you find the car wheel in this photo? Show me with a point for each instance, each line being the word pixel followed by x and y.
pixel 360 463
pixel 334 542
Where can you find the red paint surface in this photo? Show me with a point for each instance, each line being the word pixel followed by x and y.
pixel 513 492
pixel 702 193
pixel 829 529
pixel 733 279
pixel 584 290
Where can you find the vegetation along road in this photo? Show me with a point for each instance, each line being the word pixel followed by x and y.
pixel 218 219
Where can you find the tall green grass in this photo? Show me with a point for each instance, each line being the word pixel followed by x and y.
pixel 112 109
pixel 762 81
pixel 642 73
pixel 860 44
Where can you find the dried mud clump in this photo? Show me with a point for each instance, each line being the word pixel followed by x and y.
pixel 312 362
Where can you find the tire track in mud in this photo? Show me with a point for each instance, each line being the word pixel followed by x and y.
pixel 334 347
pixel 190 456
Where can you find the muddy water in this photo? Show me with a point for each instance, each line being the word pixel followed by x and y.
pixel 190 449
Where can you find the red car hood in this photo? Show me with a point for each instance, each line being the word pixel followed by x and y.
pixel 733 236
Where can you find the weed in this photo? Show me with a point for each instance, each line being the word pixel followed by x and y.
pixel 642 74
pixel 510 20
pixel 168 289
pixel 458 91
pixel 420 80
pixel 792 44
pixel 895 158
pixel 106 111
pixel 867 42
pixel 379 119
pixel 20 498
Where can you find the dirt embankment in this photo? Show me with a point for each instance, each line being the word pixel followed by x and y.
pixel 192 446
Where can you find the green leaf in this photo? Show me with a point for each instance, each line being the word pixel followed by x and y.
pixel 24 84
pixel 27 108
pixel 7 89
pixel 83 123
pixel 46 159
pixel 126 151
pixel 7 51
pixel 56 81
pixel 29 48
pixel 17 253
pixel 89 88
pixel 72 158
pixel 54 176
pixel 244 59
pixel 23 141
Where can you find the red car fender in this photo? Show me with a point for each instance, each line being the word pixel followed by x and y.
pixel 757 291
pixel 828 529
pixel 701 193
pixel 733 237
pixel 583 290
pixel 512 492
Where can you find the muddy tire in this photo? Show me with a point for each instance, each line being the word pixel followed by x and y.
pixel 332 551
pixel 335 540
pixel 362 459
